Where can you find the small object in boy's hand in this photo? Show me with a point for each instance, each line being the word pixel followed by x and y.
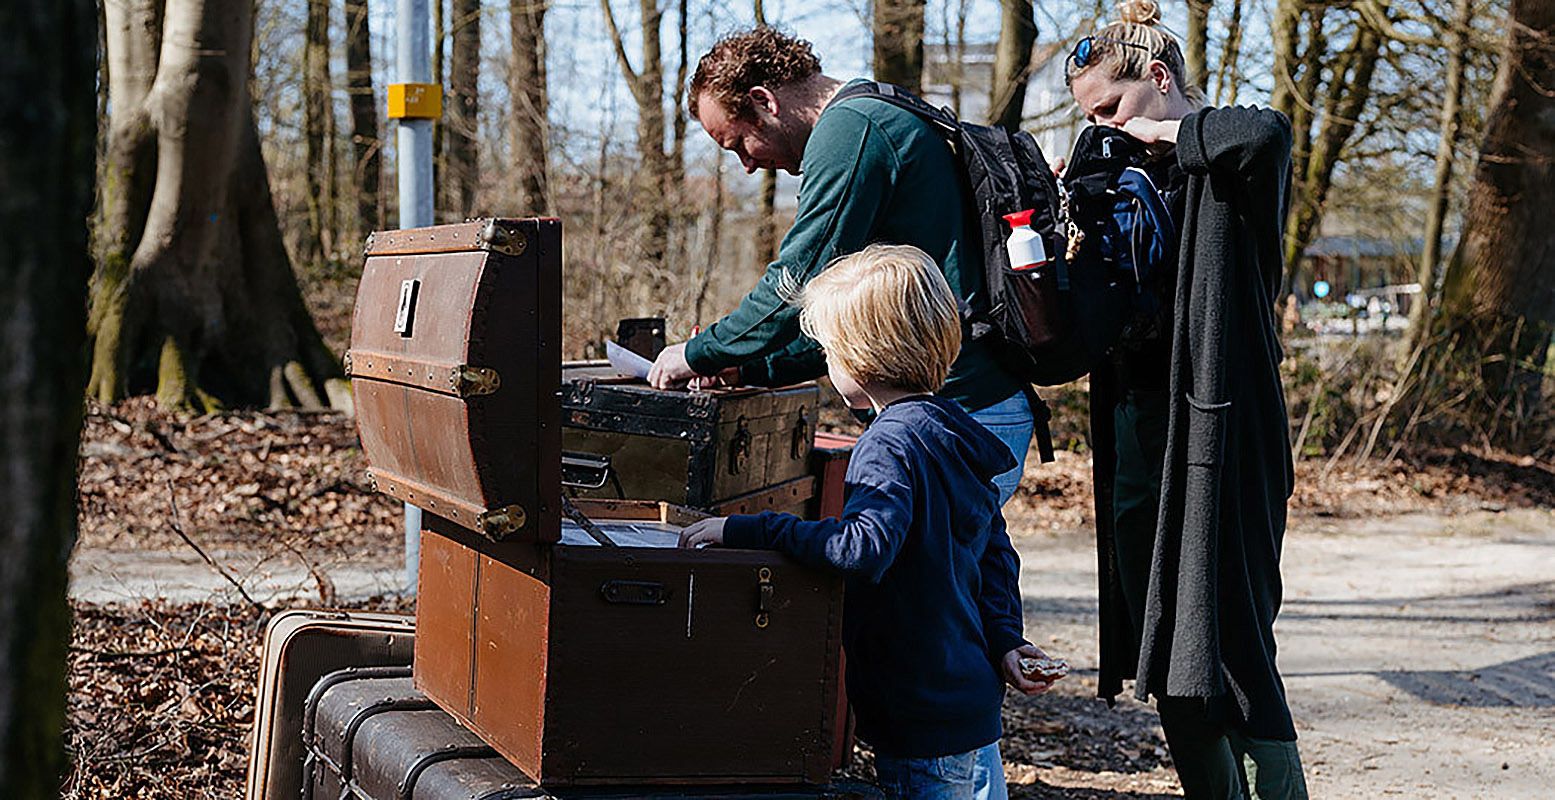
pixel 1045 670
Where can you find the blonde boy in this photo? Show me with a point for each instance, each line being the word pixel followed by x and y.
pixel 933 620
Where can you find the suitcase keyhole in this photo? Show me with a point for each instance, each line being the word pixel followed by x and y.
pixel 763 597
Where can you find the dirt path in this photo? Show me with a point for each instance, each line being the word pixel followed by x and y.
pixel 1418 651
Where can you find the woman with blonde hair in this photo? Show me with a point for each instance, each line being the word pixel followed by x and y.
pixel 1193 464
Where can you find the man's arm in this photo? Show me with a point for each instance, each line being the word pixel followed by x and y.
pixel 850 171
pixel 802 360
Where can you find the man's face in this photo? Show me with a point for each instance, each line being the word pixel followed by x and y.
pixel 761 142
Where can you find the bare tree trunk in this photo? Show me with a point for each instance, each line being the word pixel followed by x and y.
pixel 50 136
pixel 318 132
pixel 1012 63
pixel 766 217
pixel 439 125
pixel 677 168
pixel 1198 43
pixel 1508 244
pixel 1286 29
pixel 1303 99
pixel 1230 76
pixel 1348 92
pixel 199 302
pixel 464 70
pixel 366 144
pixel 1498 293
pixel 647 86
pixel 531 99
pixel 955 49
pixel 898 35
pixel 1446 150
pixel 715 226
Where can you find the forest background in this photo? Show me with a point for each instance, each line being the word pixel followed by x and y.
pixel 230 158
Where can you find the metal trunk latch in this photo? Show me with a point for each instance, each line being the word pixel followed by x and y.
pixel 500 238
pixel 801 437
pixel 580 392
pixel 500 522
pixel 763 596
pixel 739 448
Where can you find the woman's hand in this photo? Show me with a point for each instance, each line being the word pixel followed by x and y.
pixel 1153 131
pixel 703 533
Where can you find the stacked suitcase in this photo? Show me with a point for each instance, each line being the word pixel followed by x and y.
pixel 549 654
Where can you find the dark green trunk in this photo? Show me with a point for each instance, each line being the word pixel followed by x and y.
pixel 898 30
pixel 47 138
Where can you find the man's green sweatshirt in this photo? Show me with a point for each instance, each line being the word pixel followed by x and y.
pixel 872 173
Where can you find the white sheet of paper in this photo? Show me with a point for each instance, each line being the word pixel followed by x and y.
pixel 624 534
pixel 627 362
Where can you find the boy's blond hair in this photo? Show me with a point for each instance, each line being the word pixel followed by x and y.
pixel 885 315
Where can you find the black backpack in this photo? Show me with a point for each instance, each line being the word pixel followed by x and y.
pixel 1110 237
pixel 1031 318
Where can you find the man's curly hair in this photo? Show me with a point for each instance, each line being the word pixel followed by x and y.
pixel 762 56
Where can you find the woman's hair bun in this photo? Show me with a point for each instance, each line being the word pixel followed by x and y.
pixel 1140 12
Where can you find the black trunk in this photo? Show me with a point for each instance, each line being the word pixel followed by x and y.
pixel 47 139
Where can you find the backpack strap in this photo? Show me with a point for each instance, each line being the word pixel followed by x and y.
pixel 941 118
pixel 1041 415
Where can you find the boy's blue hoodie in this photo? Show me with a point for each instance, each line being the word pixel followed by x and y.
pixel 933 594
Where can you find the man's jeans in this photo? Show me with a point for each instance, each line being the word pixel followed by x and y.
pixel 973 775
pixel 1010 420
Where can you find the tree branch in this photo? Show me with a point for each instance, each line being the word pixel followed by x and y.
pixel 632 78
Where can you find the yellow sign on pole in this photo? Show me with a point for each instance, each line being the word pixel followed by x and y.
pixel 415 101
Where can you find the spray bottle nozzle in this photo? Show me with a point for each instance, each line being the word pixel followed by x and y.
pixel 1020 219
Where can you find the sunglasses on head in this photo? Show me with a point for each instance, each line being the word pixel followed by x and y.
pixel 1085 49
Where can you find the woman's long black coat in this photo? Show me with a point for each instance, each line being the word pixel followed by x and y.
pixel 1214 580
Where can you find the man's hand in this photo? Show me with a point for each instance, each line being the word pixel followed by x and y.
pixel 703 533
pixel 726 379
pixel 1152 131
pixel 1030 686
pixel 670 368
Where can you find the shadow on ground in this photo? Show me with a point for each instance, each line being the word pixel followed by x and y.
pixel 1524 683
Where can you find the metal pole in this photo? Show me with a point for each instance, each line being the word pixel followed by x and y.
pixel 414 65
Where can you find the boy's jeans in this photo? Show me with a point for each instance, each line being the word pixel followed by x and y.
pixel 1009 419
pixel 973 775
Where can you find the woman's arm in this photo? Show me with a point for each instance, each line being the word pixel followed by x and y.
pixel 1252 144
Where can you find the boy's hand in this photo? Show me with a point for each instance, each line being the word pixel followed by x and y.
pixel 1028 685
pixel 703 533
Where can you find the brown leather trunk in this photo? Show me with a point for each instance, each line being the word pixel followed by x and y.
pixel 597 665
pixel 455 359
pixel 829 466
pixel 584 663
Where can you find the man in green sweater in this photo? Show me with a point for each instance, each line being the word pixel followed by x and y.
pixel 872 173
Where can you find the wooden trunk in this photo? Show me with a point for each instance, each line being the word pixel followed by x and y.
pixel 455 358
pixel 586 664
pixel 829 466
pixel 626 663
pixel 725 450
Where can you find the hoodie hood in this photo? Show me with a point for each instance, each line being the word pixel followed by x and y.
pixel 955 434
